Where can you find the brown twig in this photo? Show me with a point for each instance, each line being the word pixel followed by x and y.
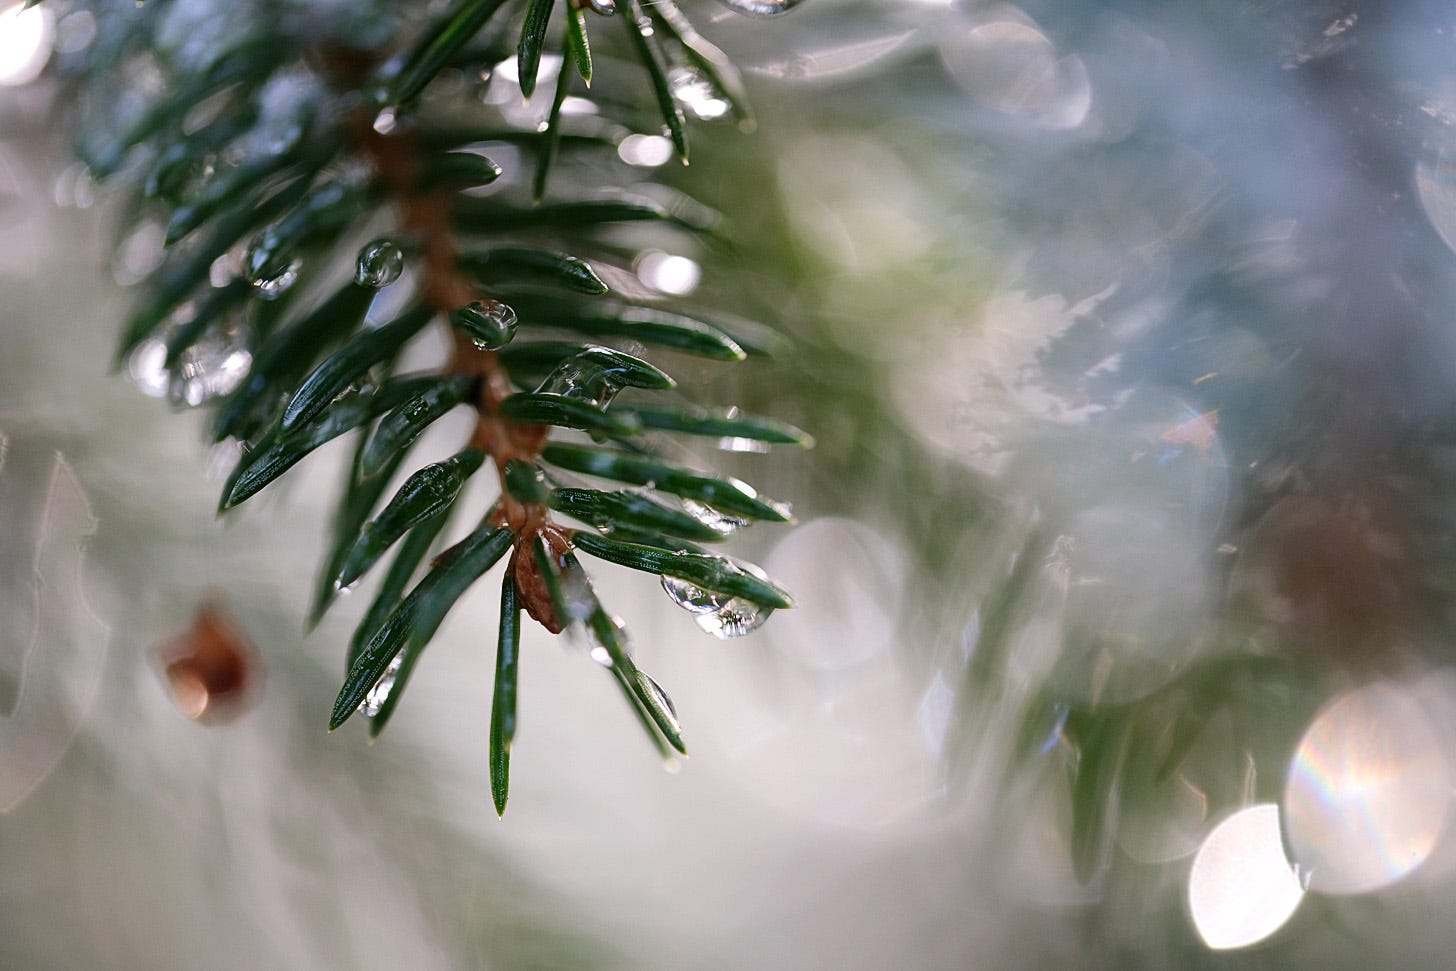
pixel 424 216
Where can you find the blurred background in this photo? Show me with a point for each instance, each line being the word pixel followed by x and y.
pixel 1124 558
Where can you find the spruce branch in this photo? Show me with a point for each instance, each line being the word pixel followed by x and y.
pixel 282 132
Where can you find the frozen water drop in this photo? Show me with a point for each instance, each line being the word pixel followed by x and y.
pixel 385 121
pixel 697 95
pixel 374 701
pixel 601 656
pixel 489 323
pixel 760 8
pixel 380 264
pixel 715 519
pixel 213 366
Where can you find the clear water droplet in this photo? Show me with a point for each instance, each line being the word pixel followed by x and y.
pixel 147 367
pixel 374 701
pixel 138 255
pixel 604 8
pixel 489 323
pixel 645 151
pixel 213 366
pixel 760 8
pixel 225 268
pixel 690 596
pixel 659 699
pixel 380 264
pixel 734 619
pixel 581 380
pixel 715 519
pixel 385 121
pixel 676 276
pixel 719 614
pixel 273 287
pixel 697 95
pixel 601 656
pixel 737 443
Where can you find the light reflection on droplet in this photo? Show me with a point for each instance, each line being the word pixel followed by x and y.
pixel 147 368
pixel 720 522
pixel 697 95
pixel 761 8
pixel 25 43
pixel 138 255
pixel 676 276
pixel 1241 888
pixel 385 121
pixel 737 443
pixel 373 702
pixel 212 367
pixel 1368 791
pixel 645 151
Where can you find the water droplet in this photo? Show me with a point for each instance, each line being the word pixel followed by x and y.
pixel 213 366
pixel 697 94
pixel 583 380
pixel 676 276
pixel 737 443
pixel 380 264
pixel 646 151
pixel 715 519
pixel 379 694
pixel 601 656
pixel 268 268
pixel 659 699
pixel 225 268
pixel 691 597
pixel 604 8
pixel 29 34
pixel 719 614
pixel 490 323
pixel 760 8
pixel 138 255
pixel 734 619
pixel 147 367
pixel 385 121
pixel 273 287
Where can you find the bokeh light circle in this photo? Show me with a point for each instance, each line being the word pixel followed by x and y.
pixel 1368 791
pixel 1242 888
